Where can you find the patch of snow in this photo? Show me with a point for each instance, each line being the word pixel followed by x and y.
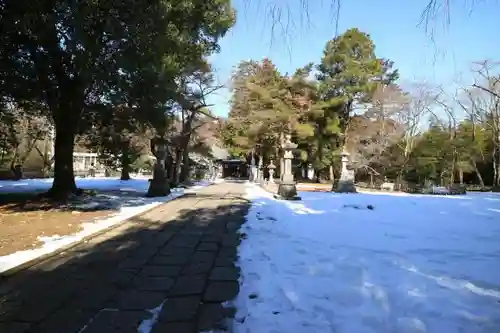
pixel 94 317
pixel 147 325
pixel 131 206
pixel 87 205
pixel 299 208
pixel 139 184
pixel 412 264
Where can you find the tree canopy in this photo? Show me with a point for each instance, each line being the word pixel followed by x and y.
pixel 73 61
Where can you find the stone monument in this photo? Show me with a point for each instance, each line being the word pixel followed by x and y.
pixel 253 169
pixel 346 181
pixel 159 185
pixel 287 189
pixel 271 168
pixel 260 171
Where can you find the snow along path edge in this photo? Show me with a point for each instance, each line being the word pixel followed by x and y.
pixel 51 253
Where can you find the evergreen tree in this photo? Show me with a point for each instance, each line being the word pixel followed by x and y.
pixel 67 58
pixel 348 73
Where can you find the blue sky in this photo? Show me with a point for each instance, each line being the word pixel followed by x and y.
pixel 392 24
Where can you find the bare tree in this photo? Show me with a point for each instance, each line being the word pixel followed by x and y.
pixel 193 114
pixel 21 133
pixel 283 22
pixel 378 128
pixel 421 100
pixel 487 106
pixel 467 100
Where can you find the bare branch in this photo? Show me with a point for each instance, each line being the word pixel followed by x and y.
pixel 487 90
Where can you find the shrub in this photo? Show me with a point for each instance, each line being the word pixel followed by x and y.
pixel 457 189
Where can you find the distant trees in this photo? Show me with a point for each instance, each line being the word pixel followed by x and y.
pixel 21 136
pixel 266 105
pixel 351 100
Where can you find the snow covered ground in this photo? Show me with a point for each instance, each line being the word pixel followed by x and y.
pixel 128 197
pixel 363 263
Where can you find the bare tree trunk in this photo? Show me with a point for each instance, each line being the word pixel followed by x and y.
pixel 496 164
pixel 461 176
pixel 177 168
pixel 332 174
pixel 46 159
pixel 185 165
pixel 453 168
pixel 125 163
pixel 169 165
pixel 478 174
pixel 317 175
pixel 495 168
pixel 399 178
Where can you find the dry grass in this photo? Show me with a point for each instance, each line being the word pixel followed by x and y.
pixel 25 217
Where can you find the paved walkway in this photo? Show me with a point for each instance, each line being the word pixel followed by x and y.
pixel 175 263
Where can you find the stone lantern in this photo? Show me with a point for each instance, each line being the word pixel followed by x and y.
pixel 271 167
pixel 287 189
pixel 253 168
pixel 260 170
pixel 346 181
pixel 159 185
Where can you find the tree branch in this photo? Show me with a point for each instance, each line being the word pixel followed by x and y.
pixel 487 90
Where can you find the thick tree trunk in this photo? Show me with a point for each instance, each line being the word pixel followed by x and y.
pixel 125 161
pixel 177 168
pixel 317 173
pixel 171 172
pixel 185 165
pixel 184 172
pixel 461 176
pixel 64 177
pixel 169 165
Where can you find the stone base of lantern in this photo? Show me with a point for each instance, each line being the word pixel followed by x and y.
pixel 287 191
pixel 345 186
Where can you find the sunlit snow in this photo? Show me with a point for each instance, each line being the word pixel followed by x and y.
pixel 411 263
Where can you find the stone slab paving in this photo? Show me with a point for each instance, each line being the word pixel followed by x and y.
pixel 175 263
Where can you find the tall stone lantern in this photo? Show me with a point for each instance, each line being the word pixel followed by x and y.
pixel 287 189
pixel 260 170
pixel 346 181
pixel 253 168
pixel 159 185
pixel 271 167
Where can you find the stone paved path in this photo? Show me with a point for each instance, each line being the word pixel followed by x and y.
pixel 180 256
